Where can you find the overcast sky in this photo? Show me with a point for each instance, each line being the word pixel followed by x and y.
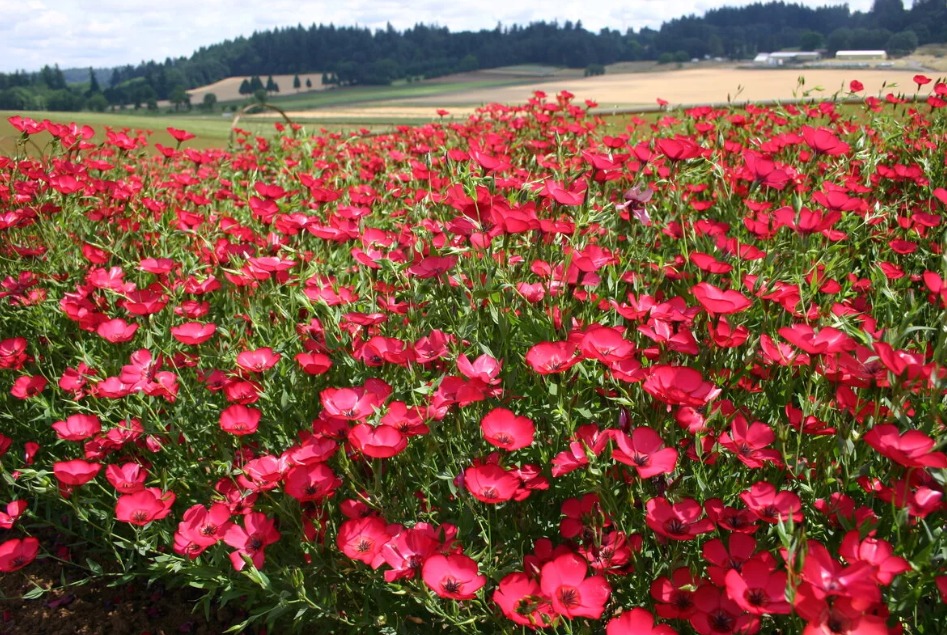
pixel 105 33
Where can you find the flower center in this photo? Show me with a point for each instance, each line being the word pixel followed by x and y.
pixel 721 621
pixel 569 596
pixel 450 585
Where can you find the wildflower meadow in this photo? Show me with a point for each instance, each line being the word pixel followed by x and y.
pixel 534 370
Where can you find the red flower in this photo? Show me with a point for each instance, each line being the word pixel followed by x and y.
pixel 571 196
pixel 921 80
pixel 730 518
pixel 910 449
pixel 824 141
pixel 313 482
pixel 612 555
pixel 240 420
pixel 764 171
pixel 127 478
pixel 314 363
pixel 826 340
pixel 583 515
pixel 739 549
pixel 117 331
pixel 75 472
pixel 726 336
pixel 679 386
pixel 432 266
pixel 571 593
pixel 507 431
pixel 718 301
pixel 875 552
pixel 454 576
pixel 680 521
pixel 941 582
pixel 716 614
pixel 377 442
pixel 675 595
pixel 679 149
pixel 840 617
pixel 16 553
pixel 522 600
pixel 193 333
pixel 771 506
pixel 355 404
pixel 553 357
pixel 485 368
pixel 78 427
pixel 201 528
pixel 13 511
pixel 637 622
pixel 644 450
pixel 143 507
pixel 13 353
pixel 407 551
pixel 257 533
pixel 257 361
pixel 855 86
pixel 825 578
pixel 27 386
pixel 180 135
pixel 362 538
pixel 606 344
pixel 588 438
pixel 490 483
pixel 758 589
pixel 750 441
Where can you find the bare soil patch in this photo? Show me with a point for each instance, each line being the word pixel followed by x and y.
pixel 71 607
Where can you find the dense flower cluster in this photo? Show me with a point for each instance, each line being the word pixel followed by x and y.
pixel 522 371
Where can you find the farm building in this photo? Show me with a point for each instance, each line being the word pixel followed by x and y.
pixel 781 58
pixel 861 56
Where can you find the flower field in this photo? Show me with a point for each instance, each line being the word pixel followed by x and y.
pixel 522 372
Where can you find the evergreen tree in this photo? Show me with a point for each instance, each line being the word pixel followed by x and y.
pixel 296 83
pixel 245 87
pixel 93 84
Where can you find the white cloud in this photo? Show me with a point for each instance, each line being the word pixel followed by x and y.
pixel 79 33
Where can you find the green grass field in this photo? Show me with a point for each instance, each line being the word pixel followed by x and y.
pixel 214 129
pixel 360 95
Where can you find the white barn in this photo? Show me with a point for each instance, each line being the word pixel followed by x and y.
pixel 861 56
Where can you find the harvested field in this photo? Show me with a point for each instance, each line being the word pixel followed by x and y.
pixel 686 86
pixel 690 86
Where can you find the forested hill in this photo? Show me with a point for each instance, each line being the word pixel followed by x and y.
pixel 353 55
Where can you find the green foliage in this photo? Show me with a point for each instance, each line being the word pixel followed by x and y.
pixel 811 41
pixel 64 100
pixel 901 43
pixel 209 102
pixel 97 102
pixel 593 70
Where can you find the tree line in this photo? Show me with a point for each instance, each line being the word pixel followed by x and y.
pixel 350 55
